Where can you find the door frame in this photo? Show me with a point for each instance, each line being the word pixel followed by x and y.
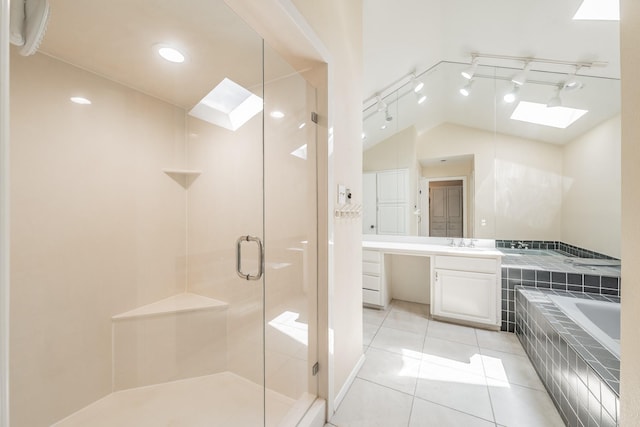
pixel 424 202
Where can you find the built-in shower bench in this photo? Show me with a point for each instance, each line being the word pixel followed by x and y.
pixel 178 337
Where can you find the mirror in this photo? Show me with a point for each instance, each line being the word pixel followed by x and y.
pixel 478 166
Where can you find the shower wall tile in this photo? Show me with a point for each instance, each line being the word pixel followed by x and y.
pixel 97 228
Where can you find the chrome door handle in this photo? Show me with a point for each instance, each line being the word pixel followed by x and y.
pixel 239 257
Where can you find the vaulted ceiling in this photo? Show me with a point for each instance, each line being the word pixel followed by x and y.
pixel 407 36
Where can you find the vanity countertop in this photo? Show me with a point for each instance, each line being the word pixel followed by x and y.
pixel 394 245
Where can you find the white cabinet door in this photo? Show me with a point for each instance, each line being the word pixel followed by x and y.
pixel 465 296
pixel 393 186
pixel 392 219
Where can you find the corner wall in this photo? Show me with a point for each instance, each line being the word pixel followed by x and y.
pixel 591 170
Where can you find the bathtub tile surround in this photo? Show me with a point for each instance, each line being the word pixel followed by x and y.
pixel 581 376
pixel 455 376
pixel 553 245
pixel 546 268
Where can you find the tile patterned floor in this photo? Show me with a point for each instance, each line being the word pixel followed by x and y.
pixel 422 372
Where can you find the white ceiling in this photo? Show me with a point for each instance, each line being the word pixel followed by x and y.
pixel 414 35
pixel 115 39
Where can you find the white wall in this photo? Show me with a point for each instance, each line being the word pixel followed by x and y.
pixel 591 198
pixel 339 25
pixel 629 368
pixel 528 189
pixel 97 228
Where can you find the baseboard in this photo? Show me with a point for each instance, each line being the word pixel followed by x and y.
pixel 348 382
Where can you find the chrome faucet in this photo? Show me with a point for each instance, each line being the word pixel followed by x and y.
pixel 522 245
pixel 472 243
pixel 452 243
pixel 461 244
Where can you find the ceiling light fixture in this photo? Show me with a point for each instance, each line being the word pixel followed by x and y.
pixel 511 96
pixel 80 100
pixel 170 54
pixel 381 106
pixel 521 77
pixel 555 100
pixel 466 90
pixel 388 117
pixel 572 83
pixel 421 97
pixel 417 84
pixel 469 72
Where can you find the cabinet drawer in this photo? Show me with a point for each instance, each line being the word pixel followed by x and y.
pixel 370 256
pixel 371 297
pixel 481 265
pixel 371 268
pixel 371 282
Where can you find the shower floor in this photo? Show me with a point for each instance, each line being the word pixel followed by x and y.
pixel 224 399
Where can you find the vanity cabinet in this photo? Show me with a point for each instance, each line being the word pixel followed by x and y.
pixel 375 282
pixel 467 289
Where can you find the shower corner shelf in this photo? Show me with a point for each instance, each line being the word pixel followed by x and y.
pixel 184 177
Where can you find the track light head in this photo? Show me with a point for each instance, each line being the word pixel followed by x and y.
pixel 468 73
pixel 555 100
pixel 388 117
pixel 466 90
pixel 572 83
pixel 511 96
pixel 417 84
pixel 521 77
pixel 421 97
pixel 381 105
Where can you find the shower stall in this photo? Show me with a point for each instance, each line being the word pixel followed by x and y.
pixel 163 222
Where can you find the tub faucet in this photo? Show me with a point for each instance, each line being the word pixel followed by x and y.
pixel 522 245
pixel 461 244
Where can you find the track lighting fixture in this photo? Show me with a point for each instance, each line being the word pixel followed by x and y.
pixel 388 117
pixel 381 105
pixel 511 96
pixel 466 90
pixel 417 84
pixel 521 77
pixel 469 72
pixel 421 97
pixel 555 100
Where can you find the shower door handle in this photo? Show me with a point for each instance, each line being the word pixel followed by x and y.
pixel 239 257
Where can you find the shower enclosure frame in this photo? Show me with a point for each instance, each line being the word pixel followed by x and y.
pixel 283 27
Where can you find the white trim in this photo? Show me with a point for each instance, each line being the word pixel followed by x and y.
pixel 347 384
pixel 425 212
pixel 4 213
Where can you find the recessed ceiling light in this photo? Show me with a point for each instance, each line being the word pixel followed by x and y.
pixel 170 54
pixel 540 114
pixel 80 100
pixel 598 10
pixel 277 114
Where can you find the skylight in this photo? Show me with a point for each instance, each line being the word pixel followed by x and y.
pixel 228 105
pixel 598 10
pixel 540 114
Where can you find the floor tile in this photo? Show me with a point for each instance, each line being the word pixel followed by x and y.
pixel 428 414
pixel 391 370
pixel 397 341
pixel 372 405
pixel 412 307
pixel 524 407
pixel 454 388
pixel 510 368
pixel 501 341
pixel 374 316
pixel 368 333
pixel 451 332
pixel 453 354
pixel 406 321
